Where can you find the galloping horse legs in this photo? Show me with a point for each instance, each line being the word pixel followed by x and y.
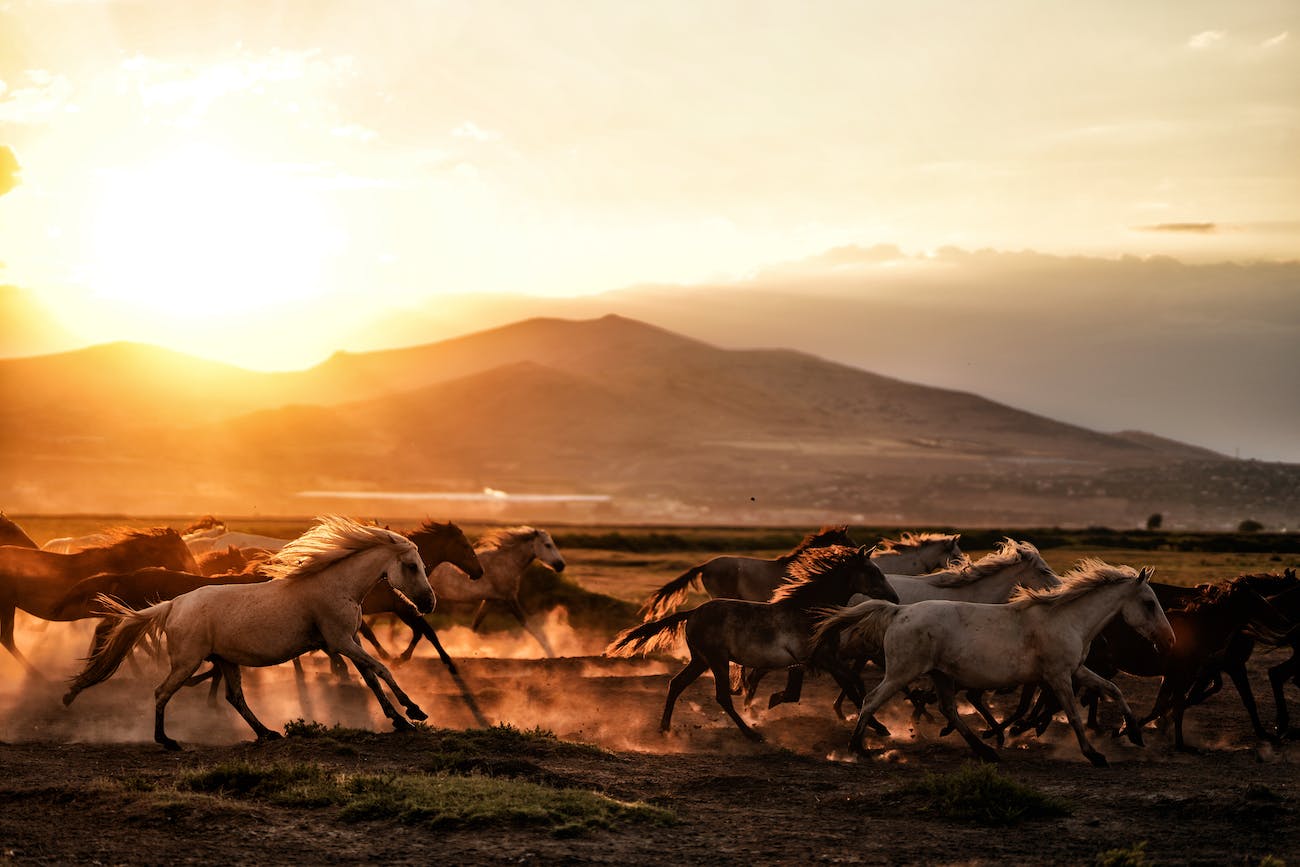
pixel 721 667
pixel 680 681
pixel 479 615
pixel 1063 688
pixel 1237 671
pixel 1277 678
pixel 947 692
pixel 517 610
pixel 369 635
pixel 369 667
pixel 411 616
pixel 7 613
pixel 235 695
pixel 793 687
pixel 176 678
pixel 1089 678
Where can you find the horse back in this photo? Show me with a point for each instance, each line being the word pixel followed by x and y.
pixel 749 578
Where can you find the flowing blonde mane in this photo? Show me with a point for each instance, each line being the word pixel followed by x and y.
pixel 505 537
pixel 1009 553
pixel 332 539
pixel 812 567
pixel 117 535
pixel 913 541
pixel 1089 575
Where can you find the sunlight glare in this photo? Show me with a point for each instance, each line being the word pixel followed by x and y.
pixel 199 232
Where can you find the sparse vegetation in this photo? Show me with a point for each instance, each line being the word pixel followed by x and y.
pixel 978 793
pixel 1133 856
pixel 1249 526
pixel 433 800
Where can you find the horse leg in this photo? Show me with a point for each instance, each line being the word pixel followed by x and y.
pixel 749 680
pixel 517 610
pixel 371 671
pixel 479 615
pixel 235 695
pixel 1237 671
pixel 1179 695
pixel 976 699
pixel 369 635
pixel 7 613
pixel 1063 688
pixel 866 713
pixel 946 689
pixel 1090 678
pixel 1277 678
pixel 850 681
pixel 421 629
pixel 181 672
pixel 793 688
pixel 721 668
pixel 680 681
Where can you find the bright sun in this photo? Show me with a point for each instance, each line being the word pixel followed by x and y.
pixel 199 232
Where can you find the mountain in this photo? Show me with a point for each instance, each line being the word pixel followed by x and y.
pixel 663 426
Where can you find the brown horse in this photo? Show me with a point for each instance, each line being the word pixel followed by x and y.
pixel 437 543
pixel 12 534
pixel 231 560
pixel 766 635
pixel 36 581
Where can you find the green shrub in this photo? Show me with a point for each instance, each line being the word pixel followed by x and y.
pixel 978 793
pixel 1133 856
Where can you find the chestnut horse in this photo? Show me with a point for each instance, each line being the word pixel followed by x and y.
pixel 12 534
pixel 36 581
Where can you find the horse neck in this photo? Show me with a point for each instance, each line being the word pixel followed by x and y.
pixel 437 549
pixel 819 595
pixel 1090 612
pixel 1005 580
pixel 354 576
pixel 512 559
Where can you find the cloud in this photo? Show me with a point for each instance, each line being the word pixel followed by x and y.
pixel 474 132
pixel 43 96
pixel 1189 228
pixel 9 170
pixel 1274 41
pixel 1205 39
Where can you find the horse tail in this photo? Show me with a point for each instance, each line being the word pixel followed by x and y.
pixel 129 627
pixel 649 637
pixel 865 624
pixel 666 599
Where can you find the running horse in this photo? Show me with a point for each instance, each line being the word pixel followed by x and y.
pixel 314 603
pixel 36 581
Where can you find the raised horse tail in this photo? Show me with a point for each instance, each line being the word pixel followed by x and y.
pixel 666 599
pixel 863 625
pixel 648 637
pixel 129 626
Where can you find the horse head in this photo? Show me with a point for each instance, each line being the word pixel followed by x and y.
pixel 868 579
pixel 544 549
pixel 446 543
pixel 406 574
pixel 1142 611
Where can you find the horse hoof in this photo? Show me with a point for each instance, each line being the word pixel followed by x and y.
pixel 1135 736
pixel 415 713
pixel 402 725
pixel 268 735
pixel 68 699
pixel 777 698
pixel 451 668
pixel 1189 749
pixel 1098 760
pixel 171 745
pixel 989 758
pixel 754 736
pixel 946 730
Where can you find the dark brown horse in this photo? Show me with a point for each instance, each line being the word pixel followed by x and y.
pixel 36 581
pixel 12 534
pixel 731 577
pixel 766 635
pixel 232 559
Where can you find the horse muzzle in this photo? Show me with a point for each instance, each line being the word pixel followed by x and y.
pixel 558 567
pixel 425 602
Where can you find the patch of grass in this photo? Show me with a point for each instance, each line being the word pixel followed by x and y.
pixel 503 738
pixel 1271 861
pixel 300 728
pixel 431 800
pixel 1133 856
pixel 978 793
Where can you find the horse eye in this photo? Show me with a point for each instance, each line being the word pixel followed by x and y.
pixel 409 567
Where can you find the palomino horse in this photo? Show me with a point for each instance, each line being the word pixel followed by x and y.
pixel 1040 635
pixel 315 604
pixel 12 534
pixel 764 635
pixel 36 581
pixel 756 579
pixel 505 555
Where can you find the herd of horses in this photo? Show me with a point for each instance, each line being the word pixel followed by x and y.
pixel 933 620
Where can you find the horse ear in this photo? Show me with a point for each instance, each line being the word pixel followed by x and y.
pixel 867 552
pixel 1144 575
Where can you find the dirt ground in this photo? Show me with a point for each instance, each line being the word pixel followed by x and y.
pixel 793 799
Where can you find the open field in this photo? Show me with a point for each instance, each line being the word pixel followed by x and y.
pixel 86 783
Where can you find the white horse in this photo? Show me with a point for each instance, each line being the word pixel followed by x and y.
pixel 316 604
pixel 992 578
pixel 1040 635
pixel 917 553
pixel 73 544
pixel 224 539
pixel 505 555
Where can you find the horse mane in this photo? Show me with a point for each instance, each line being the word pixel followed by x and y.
pixel 1088 575
pixel 207 522
pixel 118 535
pixel 813 568
pixel 504 537
pixel 437 528
pixel 1213 595
pixel 332 539
pixel 913 541
pixel 814 541
pixel 1008 553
